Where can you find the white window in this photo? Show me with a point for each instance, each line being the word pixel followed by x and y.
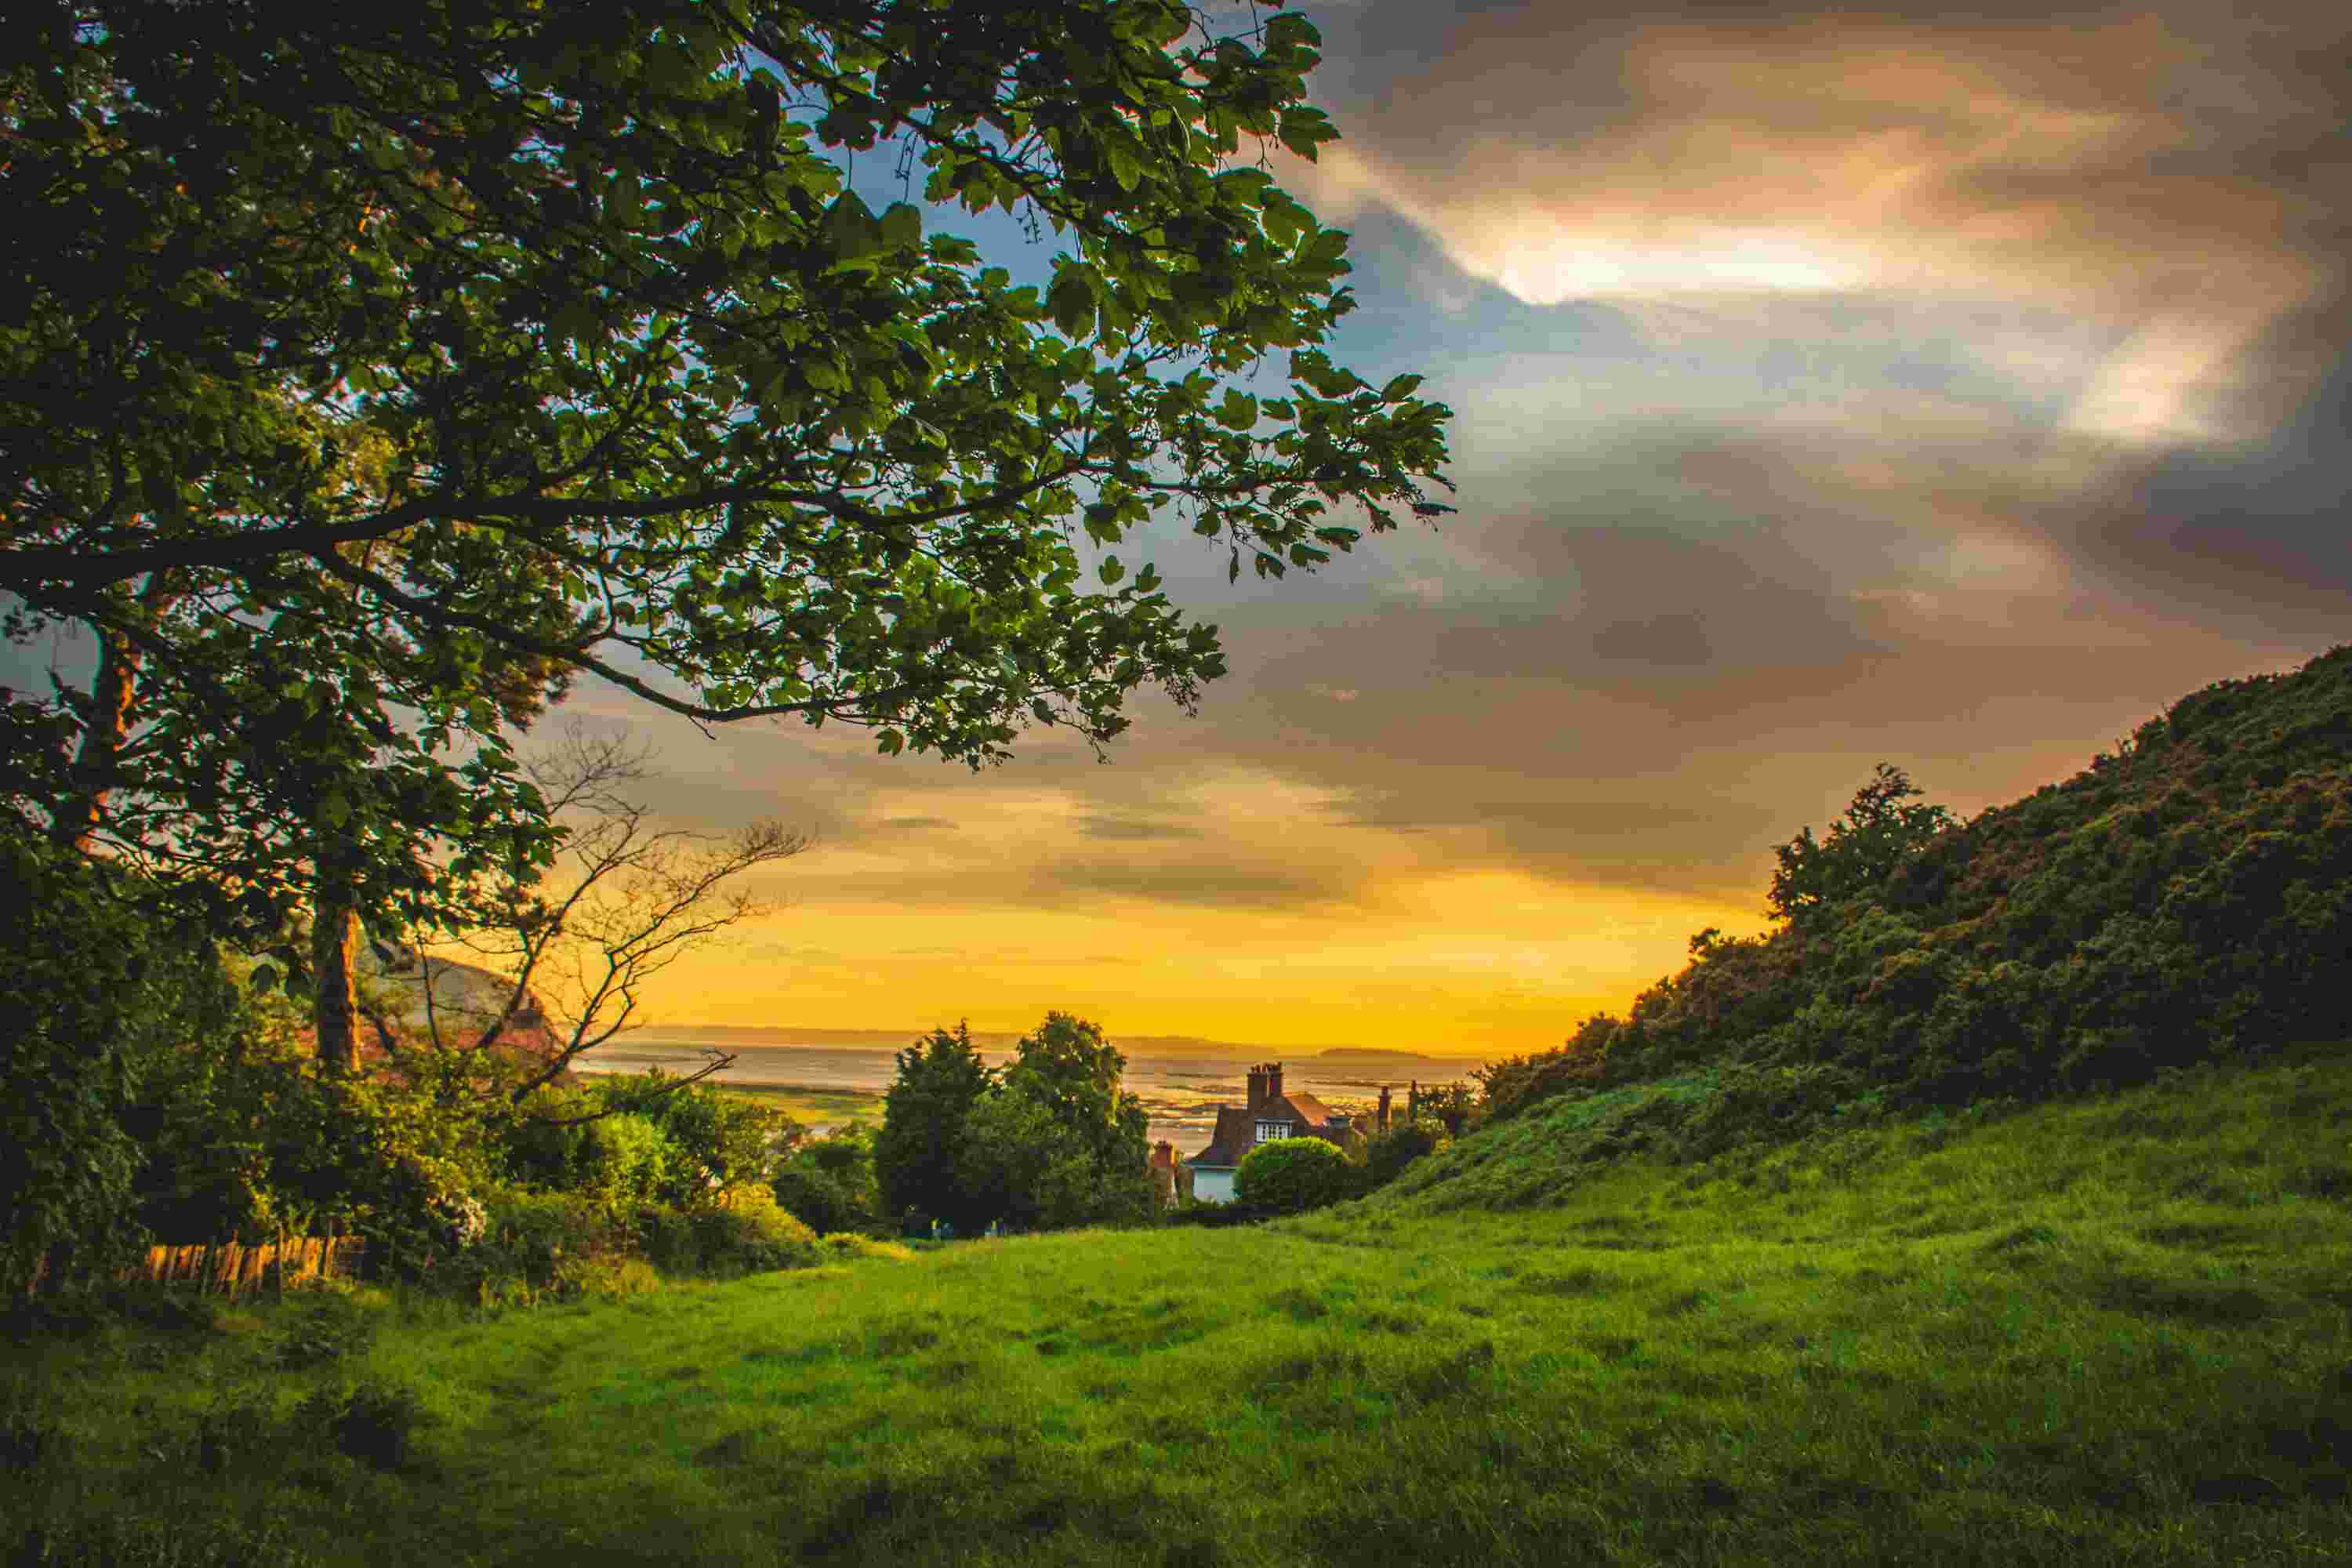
pixel 1269 1130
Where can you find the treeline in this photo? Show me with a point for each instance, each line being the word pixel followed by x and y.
pixel 2188 896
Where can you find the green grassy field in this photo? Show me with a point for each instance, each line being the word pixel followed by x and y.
pixel 2108 1332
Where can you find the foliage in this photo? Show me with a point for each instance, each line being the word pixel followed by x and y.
pixel 1057 1142
pixel 372 1421
pixel 1455 1106
pixel 829 1184
pixel 481 345
pixel 96 985
pixel 1291 1176
pixel 1509 1086
pixel 747 1234
pixel 1387 1154
pixel 1024 1168
pixel 720 1145
pixel 677 1143
pixel 623 1160
pixel 939 1079
pixel 1864 847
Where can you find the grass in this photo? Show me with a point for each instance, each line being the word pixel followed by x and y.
pixel 2109 1331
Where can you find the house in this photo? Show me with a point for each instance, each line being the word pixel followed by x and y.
pixel 1271 1113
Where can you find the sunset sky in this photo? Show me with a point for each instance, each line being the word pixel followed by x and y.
pixel 1830 389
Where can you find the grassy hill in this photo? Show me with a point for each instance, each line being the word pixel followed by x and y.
pixel 1995 1211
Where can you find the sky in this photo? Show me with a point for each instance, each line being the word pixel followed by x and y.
pixel 1951 389
pixel 1830 390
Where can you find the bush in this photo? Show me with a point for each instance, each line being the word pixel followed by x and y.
pixel 748 1235
pixel 373 1422
pixel 621 1160
pixel 532 1238
pixel 1291 1176
pixel 829 1184
pixel 1387 1154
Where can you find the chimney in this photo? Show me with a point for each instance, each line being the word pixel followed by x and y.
pixel 1382 1123
pixel 1256 1087
pixel 1272 1081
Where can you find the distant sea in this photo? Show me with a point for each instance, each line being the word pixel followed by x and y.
pixel 1180 1080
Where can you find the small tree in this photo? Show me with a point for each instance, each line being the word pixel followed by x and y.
pixel 639 897
pixel 1877 833
pixel 1291 1176
pixel 940 1077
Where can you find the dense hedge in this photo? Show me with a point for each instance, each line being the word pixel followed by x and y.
pixel 1291 1176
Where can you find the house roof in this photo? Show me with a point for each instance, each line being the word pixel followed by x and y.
pixel 1304 1109
pixel 1237 1130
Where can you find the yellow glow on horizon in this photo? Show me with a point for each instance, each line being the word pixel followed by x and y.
pixel 1489 962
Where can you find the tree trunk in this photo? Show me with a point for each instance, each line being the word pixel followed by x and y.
pixel 106 724
pixel 334 925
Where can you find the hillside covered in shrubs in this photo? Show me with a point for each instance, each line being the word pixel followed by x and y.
pixel 2187 897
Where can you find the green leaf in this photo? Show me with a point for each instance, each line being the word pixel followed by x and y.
pixel 1399 388
pixel 1110 570
pixel 1303 129
pixel 850 229
pixel 902 226
pixel 1071 302
pixel 1290 29
pixel 1045 713
pixel 1124 166
pixel 1238 411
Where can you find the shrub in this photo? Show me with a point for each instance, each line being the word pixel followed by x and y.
pixel 829 1184
pixel 1392 1151
pixel 749 1234
pixel 621 1160
pixel 373 1422
pixel 532 1235
pixel 1291 1176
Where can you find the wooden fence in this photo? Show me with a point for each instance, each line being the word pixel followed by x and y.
pixel 231 1267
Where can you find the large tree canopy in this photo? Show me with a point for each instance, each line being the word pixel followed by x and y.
pixel 375 368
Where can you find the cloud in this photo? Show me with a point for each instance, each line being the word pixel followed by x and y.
pixel 2177 176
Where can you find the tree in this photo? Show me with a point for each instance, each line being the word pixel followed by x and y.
pixel 574 959
pixel 939 1079
pixel 1067 1067
pixel 1024 1168
pixel 1877 833
pixel 1056 1142
pixel 365 355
